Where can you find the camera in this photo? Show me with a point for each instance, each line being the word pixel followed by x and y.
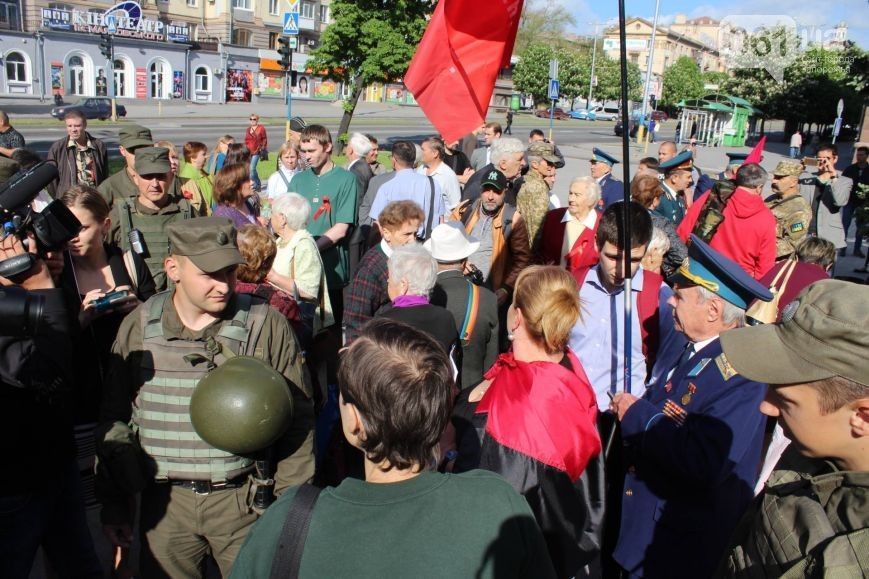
pixel 474 275
pixel 110 299
pixel 20 312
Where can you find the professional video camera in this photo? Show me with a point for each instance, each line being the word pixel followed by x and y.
pixel 21 311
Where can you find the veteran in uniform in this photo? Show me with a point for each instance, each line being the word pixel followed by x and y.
pixel 676 180
pixel 611 189
pixel 693 442
pixel 792 212
pixel 532 200
pixel 194 497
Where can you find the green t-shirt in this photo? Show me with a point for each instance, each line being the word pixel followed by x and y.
pixel 339 186
pixel 434 525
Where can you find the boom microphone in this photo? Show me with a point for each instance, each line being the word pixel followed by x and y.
pixel 22 187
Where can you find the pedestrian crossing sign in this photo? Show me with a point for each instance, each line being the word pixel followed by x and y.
pixel 291 23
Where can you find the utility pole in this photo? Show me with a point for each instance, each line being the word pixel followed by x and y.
pixel 286 62
pixel 641 131
pixel 591 76
pixel 107 48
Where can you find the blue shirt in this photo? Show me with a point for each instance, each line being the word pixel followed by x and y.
pixel 408 185
pixel 597 339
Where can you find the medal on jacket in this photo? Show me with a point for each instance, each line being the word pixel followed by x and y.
pixel 668 386
pixel 686 398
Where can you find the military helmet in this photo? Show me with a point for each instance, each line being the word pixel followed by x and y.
pixel 241 406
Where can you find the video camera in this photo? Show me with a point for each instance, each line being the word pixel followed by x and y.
pixel 20 310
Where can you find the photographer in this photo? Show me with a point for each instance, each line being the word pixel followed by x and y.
pixel 41 494
pixel 827 191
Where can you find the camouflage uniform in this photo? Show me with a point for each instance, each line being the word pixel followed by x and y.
pixel 792 215
pixel 532 201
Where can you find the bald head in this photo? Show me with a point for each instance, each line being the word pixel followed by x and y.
pixel 666 151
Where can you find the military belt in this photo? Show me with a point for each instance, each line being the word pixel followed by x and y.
pixel 204 487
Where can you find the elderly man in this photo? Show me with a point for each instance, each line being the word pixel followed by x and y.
pixel 734 161
pixel 474 308
pixel 792 213
pixel 813 517
pixel 532 200
pixel 568 233
pixel 80 158
pixel 612 190
pixel 122 185
pixel 10 139
pixel 504 250
pixel 358 148
pixel 508 157
pixel 692 443
pixel 139 223
pixel 482 156
pixel 537 136
pixel 747 232
pixel 433 165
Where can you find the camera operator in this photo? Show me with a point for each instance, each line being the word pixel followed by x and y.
pixel 40 496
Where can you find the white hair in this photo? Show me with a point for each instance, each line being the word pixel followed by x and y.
pixel 592 188
pixel 416 265
pixel 360 143
pixel 730 315
pixel 660 242
pixel 418 160
pixel 294 208
pixel 504 147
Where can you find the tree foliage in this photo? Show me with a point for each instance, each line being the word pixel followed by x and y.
pixel 531 73
pixel 542 21
pixel 682 81
pixel 609 87
pixel 369 41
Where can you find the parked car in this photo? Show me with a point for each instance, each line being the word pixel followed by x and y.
pixel 608 114
pixel 558 113
pixel 93 108
pixel 584 115
pixel 619 128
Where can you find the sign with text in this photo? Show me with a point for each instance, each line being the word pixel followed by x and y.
pixel 123 20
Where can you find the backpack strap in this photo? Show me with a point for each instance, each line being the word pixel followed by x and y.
pixel 431 186
pixel 467 329
pixel 132 271
pixel 154 321
pixel 291 545
pixel 284 177
pixel 237 329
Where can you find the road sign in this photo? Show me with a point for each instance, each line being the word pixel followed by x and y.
pixel 294 42
pixel 840 107
pixel 111 24
pixel 553 68
pixel 553 89
pixel 291 23
pixel 837 126
pixel 294 6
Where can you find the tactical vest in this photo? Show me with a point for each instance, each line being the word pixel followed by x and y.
pixel 161 413
pixel 153 228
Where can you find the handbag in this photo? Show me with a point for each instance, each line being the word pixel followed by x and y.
pixel 767 312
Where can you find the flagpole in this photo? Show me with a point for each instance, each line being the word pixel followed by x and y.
pixel 626 228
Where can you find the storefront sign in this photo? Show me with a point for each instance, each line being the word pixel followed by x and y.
pixel 123 20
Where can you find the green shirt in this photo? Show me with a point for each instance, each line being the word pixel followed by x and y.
pixel 340 187
pixel 433 525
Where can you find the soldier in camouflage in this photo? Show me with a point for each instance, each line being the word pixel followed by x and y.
pixel 792 213
pixel 532 201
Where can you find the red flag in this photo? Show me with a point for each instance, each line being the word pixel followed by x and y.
pixel 452 75
pixel 756 154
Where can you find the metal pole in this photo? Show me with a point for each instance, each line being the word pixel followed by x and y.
pixel 591 76
pixel 626 226
pixel 551 112
pixel 287 83
pixel 649 65
pixel 40 46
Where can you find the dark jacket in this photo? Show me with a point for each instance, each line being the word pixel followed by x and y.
pixel 433 320
pixel 363 173
pixel 61 155
pixel 480 349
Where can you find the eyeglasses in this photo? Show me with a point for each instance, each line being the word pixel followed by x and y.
pixel 253 119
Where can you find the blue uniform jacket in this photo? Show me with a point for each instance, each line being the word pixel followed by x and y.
pixel 673 210
pixel 611 190
pixel 692 446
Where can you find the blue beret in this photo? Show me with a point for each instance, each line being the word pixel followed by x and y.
pixel 681 161
pixel 603 157
pixel 708 268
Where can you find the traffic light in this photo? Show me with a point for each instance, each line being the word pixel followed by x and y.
pixel 107 46
pixel 653 101
pixel 285 52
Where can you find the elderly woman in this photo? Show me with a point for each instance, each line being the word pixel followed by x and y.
pixel 258 250
pixel 647 190
pixel 568 233
pixel 658 247
pixel 533 419
pixel 232 190
pixel 395 397
pixel 196 184
pixel 298 268
pixel 399 222
pixel 412 275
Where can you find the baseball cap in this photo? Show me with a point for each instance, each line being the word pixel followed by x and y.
pixel 788 168
pixel 494 179
pixel 545 151
pixel 152 160
pixel 133 136
pixel 449 243
pixel 824 332
pixel 209 242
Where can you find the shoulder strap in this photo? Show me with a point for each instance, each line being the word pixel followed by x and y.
pixel 471 311
pixel 126 216
pixel 288 557
pixel 284 177
pixel 430 207
pixel 132 272
pixel 237 329
pixel 648 312
pixel 154 323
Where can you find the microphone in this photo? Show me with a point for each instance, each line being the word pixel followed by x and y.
pixel 22 187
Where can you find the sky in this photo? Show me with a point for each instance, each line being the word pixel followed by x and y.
pixel 816 16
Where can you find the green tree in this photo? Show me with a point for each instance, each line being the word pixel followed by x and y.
pixel 682 81
pixel 574 69
pixel 542 21
pixel 609 83
pixel 714 77
pixel 531 73
pixel 369 41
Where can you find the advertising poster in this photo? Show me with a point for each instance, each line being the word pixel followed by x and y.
pixel 395 94
pixel 271 85
pixel 57 78
pixel 324 89
pixel 141 82
pixel 178 84
pixel 303 87
pixel 239 85
pixel 102 83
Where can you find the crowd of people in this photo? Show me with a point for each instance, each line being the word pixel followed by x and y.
pixel 472 393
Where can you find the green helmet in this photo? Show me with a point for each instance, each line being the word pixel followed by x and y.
pixel 241 406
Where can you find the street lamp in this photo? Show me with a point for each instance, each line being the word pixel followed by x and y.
pixel 591 76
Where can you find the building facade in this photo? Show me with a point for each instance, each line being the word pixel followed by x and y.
pixel 198 50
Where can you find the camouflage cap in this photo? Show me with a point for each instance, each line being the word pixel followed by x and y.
pixel 545 151
pixel 788 169
pixel 133 136
pixel 152 160
pixel 209 242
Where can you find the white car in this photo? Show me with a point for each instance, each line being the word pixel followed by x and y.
pixel 607 114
